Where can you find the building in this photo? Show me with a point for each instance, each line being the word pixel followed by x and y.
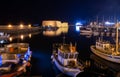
pixel 54 23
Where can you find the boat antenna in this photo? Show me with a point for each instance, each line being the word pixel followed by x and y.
pixel 103 20
pixel 63 39
pixel 70 44
pixel 99 39
pixel 117 37
pixel 75 44
pixel 97 20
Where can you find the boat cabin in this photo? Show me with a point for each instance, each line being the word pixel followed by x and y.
pixel 102 45
pixel 67 55
pixel 16 48
pixel 105 46
pixel 14 52
pixel 5 57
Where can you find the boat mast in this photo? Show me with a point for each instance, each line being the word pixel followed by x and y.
pixel 64 40
pixel 103 21
pixel 97 20
pixel 117 37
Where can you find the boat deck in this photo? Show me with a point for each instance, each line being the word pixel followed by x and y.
pixel 106 51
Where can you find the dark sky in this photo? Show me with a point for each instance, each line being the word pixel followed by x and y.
pixel 34 11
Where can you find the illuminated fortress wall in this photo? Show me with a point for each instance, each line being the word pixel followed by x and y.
pixel 58 23
pixel 54 23
pixel 64 24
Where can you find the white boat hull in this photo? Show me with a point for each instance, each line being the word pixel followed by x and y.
pixel 95 33
pixel 68 71
pixel 84 31
pixel 115 59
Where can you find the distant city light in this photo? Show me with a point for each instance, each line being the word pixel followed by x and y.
pixel 109 23
pixel 77 28
pixel 78 24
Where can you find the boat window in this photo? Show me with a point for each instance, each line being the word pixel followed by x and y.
pixel 71 56
pixel 71 63
pixel 76 55
pixel 8 56
pixel 65 56
pixel 62 55
pixel 59 53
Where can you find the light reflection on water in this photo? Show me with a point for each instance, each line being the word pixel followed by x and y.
pixel 109 69
pixel 42 50
pixel 56 32
pixel 83 44
pixel 21 36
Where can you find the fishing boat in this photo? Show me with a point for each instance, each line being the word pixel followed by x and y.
pixel 106 50
pixel 86 30
pixel 65 58
pixel 14 59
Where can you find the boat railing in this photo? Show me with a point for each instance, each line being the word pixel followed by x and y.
pixel 18 44
pixel 104 51
pixel 80 63
pixel 6 68
pixel 14 61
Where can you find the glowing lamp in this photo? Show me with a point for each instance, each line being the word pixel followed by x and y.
pixel 78 23
pixel 21 25
pixel 9 26
pixel 22 37
pixel 29 25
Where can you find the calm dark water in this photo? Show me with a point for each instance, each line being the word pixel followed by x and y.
pixel 41 46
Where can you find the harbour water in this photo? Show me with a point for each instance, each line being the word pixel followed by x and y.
pixel 41 47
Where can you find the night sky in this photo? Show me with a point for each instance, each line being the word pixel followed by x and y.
pixel 34 11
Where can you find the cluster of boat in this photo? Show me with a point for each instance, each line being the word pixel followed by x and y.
pixel 87 30
pixel 65 55
pixel 106 50
pixel 14 59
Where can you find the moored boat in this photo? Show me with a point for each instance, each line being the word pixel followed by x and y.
pixel 14 59
pixel 86 30
pixel 106 50
pixel 65 58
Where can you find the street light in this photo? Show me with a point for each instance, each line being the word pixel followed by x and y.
pixel 9 26
pixel 22 37
pixel 10 38
pixel 21 25
pixel 29 25
pixel 29 35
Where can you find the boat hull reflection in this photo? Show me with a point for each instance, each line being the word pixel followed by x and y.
pixel 112 69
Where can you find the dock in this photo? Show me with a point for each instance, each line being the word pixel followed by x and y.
pixel 18 29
